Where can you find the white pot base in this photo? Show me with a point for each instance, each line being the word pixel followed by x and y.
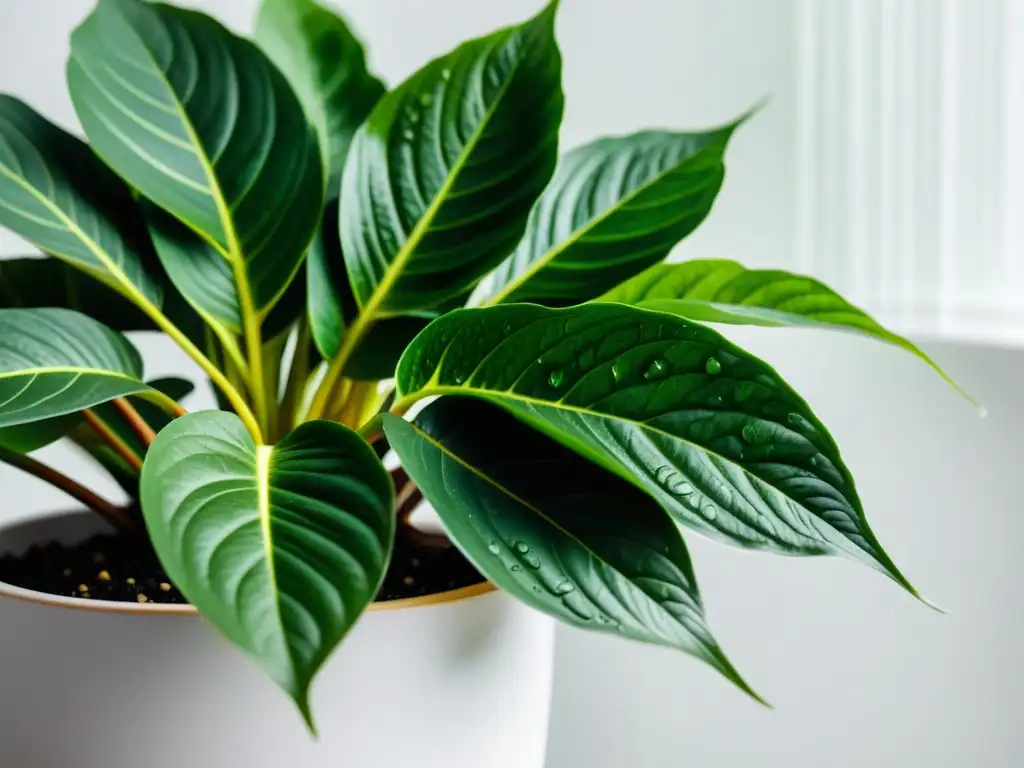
pixel 463 684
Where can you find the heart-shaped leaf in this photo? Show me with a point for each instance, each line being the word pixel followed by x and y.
pixel 283 547
pixel 55 193
pixel 201 123
pixel 56 361
pixel 721 291
pixel 615 207
pixel 711 432
pixel 441 177
pixel 555 530
pixel 31 282
pixel 326 65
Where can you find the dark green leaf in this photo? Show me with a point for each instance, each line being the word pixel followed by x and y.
pixel 55 362
pixel 615 207
pixel 35 283
pixel 720 291
pixel 332 307
pixel 201 123
pixel 555 530
pixel 441 177
pixel 25 438
pixel 281 547
pixel 326 65
pixel 328 295
pixel 55 193
pixel 713 433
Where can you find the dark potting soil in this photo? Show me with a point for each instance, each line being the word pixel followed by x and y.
pixel 120 569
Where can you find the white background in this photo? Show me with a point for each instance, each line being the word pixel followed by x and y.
pixel 859 673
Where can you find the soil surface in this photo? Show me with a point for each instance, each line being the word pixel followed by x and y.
pixel 121 569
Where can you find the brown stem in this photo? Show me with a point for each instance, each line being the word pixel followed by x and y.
pixel 138 424
pixel 120 446
pixel 105 509
pixel 407 501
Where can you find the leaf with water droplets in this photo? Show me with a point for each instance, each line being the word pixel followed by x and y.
pixel 428 207
pixel 683 437
pixel 614 207
pixel 325 64
pixel 722 291
pixel 583 541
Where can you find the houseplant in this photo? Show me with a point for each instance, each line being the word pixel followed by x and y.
pixel 335 256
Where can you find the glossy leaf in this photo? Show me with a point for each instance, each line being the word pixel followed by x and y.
pixel 55 193
pixel 555 530
pixel 720 291
pixel 328 295
pixel 615 207
pixel 56 361
pixel 283 547
pixel 29 283
pixel 201 123
pixel 25 438
pixel 441 177
pixel 331 307
pixel 326 66
pixel 711 432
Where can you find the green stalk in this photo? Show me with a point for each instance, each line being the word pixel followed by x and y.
pixel 364 321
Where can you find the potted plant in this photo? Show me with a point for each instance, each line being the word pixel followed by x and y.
pixel 364 273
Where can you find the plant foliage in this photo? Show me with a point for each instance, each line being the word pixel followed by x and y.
pixel 407 243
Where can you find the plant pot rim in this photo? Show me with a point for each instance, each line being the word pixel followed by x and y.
pixel 170 609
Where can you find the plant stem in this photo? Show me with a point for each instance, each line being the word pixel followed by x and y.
pixel 364 321
pixel 215 374
pixel 298 376
pixel 406 502
pixel 138 424
pixel 113 440
pixel 372 430
pixel 105 509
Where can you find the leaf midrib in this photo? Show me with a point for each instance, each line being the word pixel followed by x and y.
pixel 579 234
pixel 234 252
pixel 439 390
pixel 405 253
pixel 568 534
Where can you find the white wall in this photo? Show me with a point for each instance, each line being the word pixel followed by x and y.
pixel 859 673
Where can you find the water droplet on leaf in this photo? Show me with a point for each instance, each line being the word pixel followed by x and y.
pixel 557 378
pixel 657 369
pixel 446 74
pixel 522 546
pixel 533 561
pixel 618 370
pixel 710 512
pixel 426 99
pixel 493 548
pixel 565 588
pixel 515 569
pixel 408 134
pixel 744 391
pixel 713 366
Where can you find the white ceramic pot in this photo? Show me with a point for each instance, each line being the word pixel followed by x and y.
pixel 457 680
